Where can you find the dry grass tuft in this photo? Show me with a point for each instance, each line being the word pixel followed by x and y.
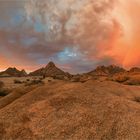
pixel 17 81
pixel 137 99
pixel 34 82
pixel 3 91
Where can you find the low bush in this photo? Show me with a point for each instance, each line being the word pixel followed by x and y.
pixel 4 92
pixel 41 78
pixel 34 82
pixel 133 82
pixel 1 84
pixel 49 80
pixel 137 99
pixel 17 81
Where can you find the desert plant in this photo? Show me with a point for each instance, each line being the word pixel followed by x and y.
pixel 34 82
pixel 75 79
pixel 1 84
pixel 41 78
pixel 17 81
pixel 4 92
pixel 132 82
pixel 49 80
pixel 34 78
pixel 137 99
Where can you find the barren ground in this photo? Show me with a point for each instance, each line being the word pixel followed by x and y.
pixel 60 110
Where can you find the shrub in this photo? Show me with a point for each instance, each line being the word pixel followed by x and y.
pixel 41 78
pixel 34 78
pixel 34 82
pixel 1 84
pixel 4 92
pixel 49 80
pixel 17 81
pixel 121 78
pixel 27 80
pixel 132 82
pixel 137 99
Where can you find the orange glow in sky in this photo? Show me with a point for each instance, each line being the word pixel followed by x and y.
pixel 127 47
pixel 92 32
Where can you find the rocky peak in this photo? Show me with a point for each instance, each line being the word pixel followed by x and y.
pixel 11 70
pixel 50 71
pixel 23 72
pixel 115 69
pixel 50 65
pixel 107 70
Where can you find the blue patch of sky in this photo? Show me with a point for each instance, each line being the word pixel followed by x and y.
pixel 17 17
pixel 67 54
pixel 38 25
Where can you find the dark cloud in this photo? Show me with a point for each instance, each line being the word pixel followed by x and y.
pixel 87 25
pixel 83 26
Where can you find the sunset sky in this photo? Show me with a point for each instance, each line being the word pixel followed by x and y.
pixel 77 35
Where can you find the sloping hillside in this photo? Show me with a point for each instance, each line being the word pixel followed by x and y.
pixel 50 71
pixel 61 110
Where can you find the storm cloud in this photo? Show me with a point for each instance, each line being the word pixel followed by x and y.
pixel 77 35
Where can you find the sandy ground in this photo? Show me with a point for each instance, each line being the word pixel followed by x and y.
pixel 60 110
pixel 9 81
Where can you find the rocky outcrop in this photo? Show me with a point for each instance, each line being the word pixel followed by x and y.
pixel 106 70
pixel 13 72
pixel 51 71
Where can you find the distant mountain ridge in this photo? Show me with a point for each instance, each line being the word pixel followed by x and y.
pixel 13 72
pixel 106 70
pixel 51 70
pixel 135 69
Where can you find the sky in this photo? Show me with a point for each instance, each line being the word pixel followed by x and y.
pixel 77 35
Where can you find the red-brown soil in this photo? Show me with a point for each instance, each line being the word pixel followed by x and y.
pixel 62 110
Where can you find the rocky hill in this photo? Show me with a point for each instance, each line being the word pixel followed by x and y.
pixel 106 70
pixel 135 70
pixel 51 71
pixel 13 72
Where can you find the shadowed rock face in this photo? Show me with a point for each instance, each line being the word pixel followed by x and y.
pixel 50 65
pixel 13 72
pixel 50 71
